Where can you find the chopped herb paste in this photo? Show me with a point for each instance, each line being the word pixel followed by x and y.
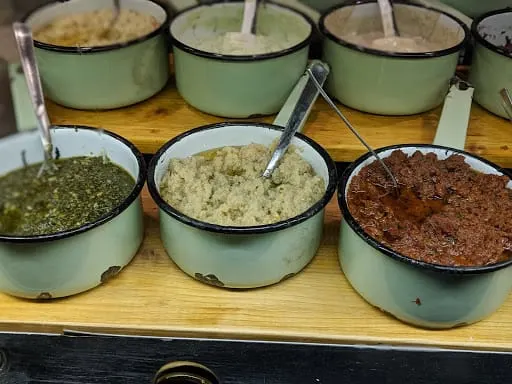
pixel 79 191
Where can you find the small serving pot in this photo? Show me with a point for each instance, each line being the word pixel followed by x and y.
pixel 238 86
pixel 419 293
pixel 491 69
pixel 390 83
pixel 73 261
pixel 245 257
pixel 102 77
pixel 240 257
pixel 476 8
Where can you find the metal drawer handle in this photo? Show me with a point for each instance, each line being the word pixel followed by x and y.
pixel 3 362
pixel 185 372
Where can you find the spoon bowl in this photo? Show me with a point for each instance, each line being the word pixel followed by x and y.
pixel 246 35
pixel 115 17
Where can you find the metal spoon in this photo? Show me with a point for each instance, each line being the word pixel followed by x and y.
pixel 316 70
pixel 388 18
pixel 507 102
pixel 25 45
pixel 347 123
pixel 391 37
pixel 115 17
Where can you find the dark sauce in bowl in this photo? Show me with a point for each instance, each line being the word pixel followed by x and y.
pixel 80 191
pixel 446 212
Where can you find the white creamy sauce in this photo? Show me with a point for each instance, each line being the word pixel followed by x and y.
pixel 404 44
pixel 224 44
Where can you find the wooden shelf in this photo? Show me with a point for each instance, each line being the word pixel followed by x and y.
pixel 151 123
pixel 153 297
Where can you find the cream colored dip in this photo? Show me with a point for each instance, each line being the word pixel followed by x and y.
pixel 403 44
pixel 224 186
pixel 88 29
pixel 261 44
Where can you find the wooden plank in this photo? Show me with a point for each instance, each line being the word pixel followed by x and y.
pixel 38 359
pixel 153 297
pixel 151 123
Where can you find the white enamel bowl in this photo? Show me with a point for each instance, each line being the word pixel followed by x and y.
pixel 240 257
pixel 74 261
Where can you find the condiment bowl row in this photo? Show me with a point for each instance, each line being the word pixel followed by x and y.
pixel 122 74
pixel 70 262
pixel 241 86
pixel 63 264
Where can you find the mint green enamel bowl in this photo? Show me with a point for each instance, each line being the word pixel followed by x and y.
pixel 102 77
pixel 491 69
pixel 475 8
pixel 233 85
pixel 73 261
pixel 390 83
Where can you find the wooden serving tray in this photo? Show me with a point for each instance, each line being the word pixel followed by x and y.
pixel 153 297
pixel 153 122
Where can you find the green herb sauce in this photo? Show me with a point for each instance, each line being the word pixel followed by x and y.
pixel 80 191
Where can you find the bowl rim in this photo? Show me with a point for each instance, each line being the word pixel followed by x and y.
pixel 162 28
pixel 241 58
pixel 397 55
pixel 255 229
pixel 387 251
pixel 480 39
pixel 139 184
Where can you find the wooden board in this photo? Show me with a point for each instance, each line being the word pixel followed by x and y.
pixel 153 297
pixel 151 123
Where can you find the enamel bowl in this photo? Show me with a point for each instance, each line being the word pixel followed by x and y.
pixel 423 294
pixel 74 261
pixel 476 8
pixel 240 257
pixel 102 77
pixel 491 69
pixel 384 82
pixel 238 86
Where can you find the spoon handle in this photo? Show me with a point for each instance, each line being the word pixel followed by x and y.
pixel 453 124
pixel 300 111
pixel 507 102
pixel 387 18
pixel 354 131
pixel 117 10
pixel 25 45
pixel 250 7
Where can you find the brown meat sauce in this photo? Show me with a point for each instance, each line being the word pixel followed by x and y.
pixel 446 213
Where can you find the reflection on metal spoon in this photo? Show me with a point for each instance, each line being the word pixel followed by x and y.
pixel 507 102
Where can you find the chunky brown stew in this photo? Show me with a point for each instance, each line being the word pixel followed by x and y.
pixel 446 213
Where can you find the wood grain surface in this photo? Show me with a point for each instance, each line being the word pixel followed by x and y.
pixel 153 297
pixel 151 123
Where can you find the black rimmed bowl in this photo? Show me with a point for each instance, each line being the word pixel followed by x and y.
pixel 385 82
pixel 491 69
pixel 231 84
pixel 240 257
pixel 419 293
pixel 74 261
pixel 102 77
